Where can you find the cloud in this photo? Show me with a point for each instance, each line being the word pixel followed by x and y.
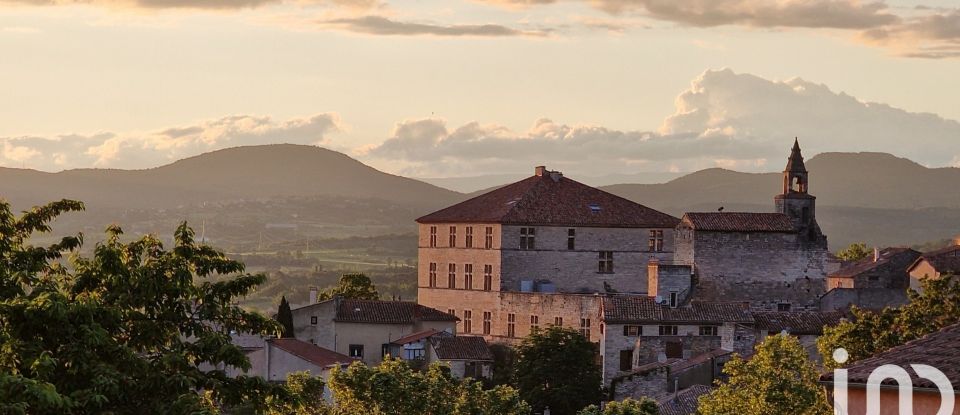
pixel 724 119
pixel 189 4
pixel 132 151
pixel 935 35
pixel 842 14
pixel 379 25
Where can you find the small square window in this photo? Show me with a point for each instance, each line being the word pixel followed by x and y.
pixel 313 320
pixel 356 351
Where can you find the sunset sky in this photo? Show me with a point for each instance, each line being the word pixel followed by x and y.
pixel 460 88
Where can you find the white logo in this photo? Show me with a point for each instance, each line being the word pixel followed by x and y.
pixel 904 386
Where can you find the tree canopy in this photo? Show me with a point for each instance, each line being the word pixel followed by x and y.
pixel 936 306
pixel 557 367
pixel 357 286
pixel 855 252
pixel 396 389
pixel 285 318
pixel 125 330
pixel 778 379
pixel 644 406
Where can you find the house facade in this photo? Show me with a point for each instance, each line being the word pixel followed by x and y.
pixel 935 264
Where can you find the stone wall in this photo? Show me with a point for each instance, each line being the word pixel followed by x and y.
pixel 650 347
pixel 322 333
pixel 664 279
pixel 651 383
pixel 869 298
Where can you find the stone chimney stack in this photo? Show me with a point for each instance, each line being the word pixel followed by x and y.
pixel 653 277
pixel 876 254
pixel 313 295
pixel 539 170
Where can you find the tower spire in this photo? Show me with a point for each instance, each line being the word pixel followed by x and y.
pixel 795 162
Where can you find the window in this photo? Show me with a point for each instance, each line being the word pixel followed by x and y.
pixel 528 238
pixel 626 360
pixel 674 299
pixel 468 276
pixel 313 320
pixel 453 236
pixel 433 236
pixel 656 241
pixel 433 274
pixel 486 322
pixel 488 238
pixel 452 276
pixel 606 262
pixel 585 327
pixel 384 350
pixel 468 242
pixel 451 312
pixel 472 370
pixel 632 330
pixel 467 323
pixel 511 325
pixel 487 277
pixel 571 239
pixel 668 330
pixel 534 323
pixel 356 350
pixel 783 307
pixel 414 354
pixel 558 321
pixel 708 330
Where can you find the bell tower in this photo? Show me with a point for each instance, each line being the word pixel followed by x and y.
pixel 796 202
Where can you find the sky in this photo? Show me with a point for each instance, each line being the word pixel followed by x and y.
pixel 451 88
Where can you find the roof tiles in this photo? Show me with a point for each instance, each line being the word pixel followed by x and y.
pixel 739 222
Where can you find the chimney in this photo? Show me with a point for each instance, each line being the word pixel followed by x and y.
pixel 876 254
pixel 555 175
pixel 653 277
pixel 539 170
pixel 956 240
pixel 313 295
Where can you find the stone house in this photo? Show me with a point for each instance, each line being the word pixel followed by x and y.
pixel 936 349
pixel 806 326
pixel 935 264
pixel 364 329
pixel 467 356
pixel 773 261
pixel 684 402
pixel 636 330
pixel 886 268
pixel 534 253
pixel 659 380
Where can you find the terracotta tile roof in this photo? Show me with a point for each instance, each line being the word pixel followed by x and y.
pixel 945 261
pixel 937 349
pixel 796 322
pixel 891 260
pixel 311 352
pixel 461 348
pixel 697 360
pixel 643 309
pixel 420 335
pixel 738 222
pixel 541 200
pixel 387 312
pixel 685 402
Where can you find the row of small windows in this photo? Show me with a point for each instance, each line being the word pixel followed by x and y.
pixel 528 238
pixel 467 276
pixel 668 330
pixel 486 328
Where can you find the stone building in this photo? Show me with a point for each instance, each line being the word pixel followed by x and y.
pixel 639 331
pixel 935 264
pixel 806 326
pixel 773 261
pixel 364 329
pixel 886 268
pixel 467 356
pixel 535 253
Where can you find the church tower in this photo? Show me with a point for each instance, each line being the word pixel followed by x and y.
pixel 796 201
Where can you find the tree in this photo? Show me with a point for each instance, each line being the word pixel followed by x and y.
pixel 645 406
pixel 556 368
pixel 394 388
pixel 778 379
pixel 854 252
pixel 869 333
pixel 125 330
pixel 356 286
pixel 285 318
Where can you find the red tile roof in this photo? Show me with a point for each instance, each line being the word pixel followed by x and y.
pixel 937 349
pixel 311 352
pixel 738 222
pixel 891 260
pixel 643 309
pixel 387 312
pixel 796 322
pixel 685 402
pixel 461 348
pixel 420 335
pixel 697 360
pixel 945 261
pixel 541 200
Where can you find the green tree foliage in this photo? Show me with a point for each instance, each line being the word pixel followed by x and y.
pixel 556 368
pixel 394 388
pixel 125 330
pixel 869 333
pixel 305 397
pixel 778 379
pixel 855 252
pixel 356 286
pixel 285 318
pixel 644 406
